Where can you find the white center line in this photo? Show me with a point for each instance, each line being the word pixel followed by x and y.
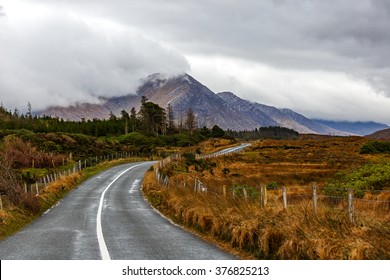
pixel 134 185
pixel 102 244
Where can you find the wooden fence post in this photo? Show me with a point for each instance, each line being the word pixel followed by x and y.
pixel 350 206
pixel 315 196
pixel 25 187
pixel 284 198
pixel 224 190
pixel 245 193
pixel 36 187
pixel 1 203
pixel 263 195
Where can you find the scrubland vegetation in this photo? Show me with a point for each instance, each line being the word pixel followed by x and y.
pixel 230 212
pixel 237 220
pixel 33 147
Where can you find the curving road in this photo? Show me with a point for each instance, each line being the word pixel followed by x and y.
pixel 106 217
pixel 231 150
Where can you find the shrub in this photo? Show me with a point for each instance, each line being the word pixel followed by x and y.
pixel 368 177
pixel 375 147
pixel 251 192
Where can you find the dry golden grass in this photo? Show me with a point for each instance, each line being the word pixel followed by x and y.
pixel 272 232
pixel 215 144
pixel 14 217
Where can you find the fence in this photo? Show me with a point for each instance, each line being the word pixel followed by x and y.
pixel 344 200
pixel 37 187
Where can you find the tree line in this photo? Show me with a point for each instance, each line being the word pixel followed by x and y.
pixel 271 132
pixel 151 119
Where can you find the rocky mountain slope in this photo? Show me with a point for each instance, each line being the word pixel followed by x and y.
pixel 182 92
pixel 380 135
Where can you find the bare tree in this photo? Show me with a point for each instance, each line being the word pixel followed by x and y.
pixel 190 121
pixel 8 182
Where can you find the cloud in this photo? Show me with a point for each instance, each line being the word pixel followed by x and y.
pixel 61 59
pixel 344 44
pixel 316 94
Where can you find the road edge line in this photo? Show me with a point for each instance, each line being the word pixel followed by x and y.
pixel 99 231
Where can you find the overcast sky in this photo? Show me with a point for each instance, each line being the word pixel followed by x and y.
pixel 324 59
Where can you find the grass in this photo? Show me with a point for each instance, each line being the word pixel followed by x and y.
pixel 273 232
pixel 13 218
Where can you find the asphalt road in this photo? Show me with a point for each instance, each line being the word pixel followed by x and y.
pixel 107 218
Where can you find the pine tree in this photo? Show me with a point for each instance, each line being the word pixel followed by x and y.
pixel 170 119
pixel 125 117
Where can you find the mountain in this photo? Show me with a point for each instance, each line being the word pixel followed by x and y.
pixel 182 92
pixel 358 128
pixel 270 116
pixel 380 135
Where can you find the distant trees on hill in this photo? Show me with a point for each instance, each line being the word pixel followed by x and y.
pixel 151 120
pixel 275 132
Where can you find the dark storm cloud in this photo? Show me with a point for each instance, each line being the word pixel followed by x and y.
pixel 333 52
pixel 61 59
pixel 349 36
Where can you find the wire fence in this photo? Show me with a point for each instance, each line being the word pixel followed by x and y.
pixel 37 187
pixel 373 202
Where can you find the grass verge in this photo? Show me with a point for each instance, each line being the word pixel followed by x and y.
pixel 271 233
pixel 14 218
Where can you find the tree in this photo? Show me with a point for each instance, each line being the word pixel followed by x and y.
pixel 125 117
pixel 152 117
pixel 29 110
pixel 190 121
pixel 217 132
pixel 8 182
pixel 133 118
pixel 16 113
pixel 112 117
pixel 170 119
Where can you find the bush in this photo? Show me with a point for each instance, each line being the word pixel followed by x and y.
pixel 31 203
pixel 375 147
pixel 251 192
pixel 367 178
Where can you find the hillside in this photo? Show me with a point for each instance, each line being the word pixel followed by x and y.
pixel 183 92
pixel 380 135
pixel 357 128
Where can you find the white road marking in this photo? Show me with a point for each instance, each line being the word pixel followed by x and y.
pixel 134 185
pixel 102 244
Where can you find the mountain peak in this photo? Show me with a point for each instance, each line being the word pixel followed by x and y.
pixel 182 92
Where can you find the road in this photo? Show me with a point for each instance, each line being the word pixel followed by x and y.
pixel 106 217
pixel 231 150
